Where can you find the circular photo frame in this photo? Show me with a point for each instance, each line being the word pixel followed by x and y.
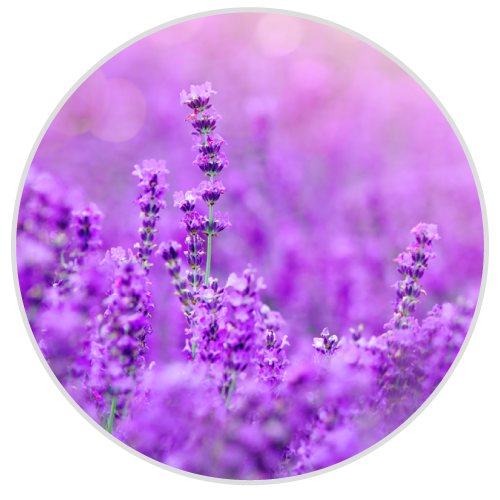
pixel 262 297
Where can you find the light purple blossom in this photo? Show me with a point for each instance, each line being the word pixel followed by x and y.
pixel 219 223
pixel 199 95
pixel 326 344
pixel 210 192
pixel 186 202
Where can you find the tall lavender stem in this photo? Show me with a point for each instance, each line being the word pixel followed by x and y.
pixel 209 246
pixel 210 160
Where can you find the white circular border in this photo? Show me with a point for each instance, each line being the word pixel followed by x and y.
pixel 262 11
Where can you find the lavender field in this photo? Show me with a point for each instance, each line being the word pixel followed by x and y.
pixel 259 275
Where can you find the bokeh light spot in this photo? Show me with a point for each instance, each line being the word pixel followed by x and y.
pixel 123 112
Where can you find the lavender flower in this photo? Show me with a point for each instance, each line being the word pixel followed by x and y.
pixel 211 162
pixel 170 253
pixel 326 344
pixel 129 308
pixel 211 191
pixel 186 202
pixel 210 159
pixel 271 359
pixel 198 97
pixel 245 404
pixel 87 225
pixel 153 181
pixel 412 265
pixel 218 224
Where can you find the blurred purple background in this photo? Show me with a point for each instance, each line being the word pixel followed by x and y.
pixel 335 154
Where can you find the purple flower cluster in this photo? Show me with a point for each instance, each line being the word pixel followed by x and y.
pixel 129 308
pixel 61 281
pixel 239 401
pixel 42 236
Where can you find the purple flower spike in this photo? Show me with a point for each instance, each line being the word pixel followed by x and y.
pixel 153 181
pixel 203 306
pixel 87 225
pixel 412 265
pixel 129 308
pixel 194 251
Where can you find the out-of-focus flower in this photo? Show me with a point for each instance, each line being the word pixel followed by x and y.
pixel 88 229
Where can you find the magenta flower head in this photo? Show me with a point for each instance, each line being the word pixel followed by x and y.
pixel 211 191
pixel 152 175
pixel 208 147
pixel 425 233
pixel 204 122
pixel 198 97
pixel 186 202
pixel 404 259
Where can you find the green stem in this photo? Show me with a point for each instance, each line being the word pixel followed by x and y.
pixel 194 270
pixel 209 245
pixel 231 389
pixel 112 416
